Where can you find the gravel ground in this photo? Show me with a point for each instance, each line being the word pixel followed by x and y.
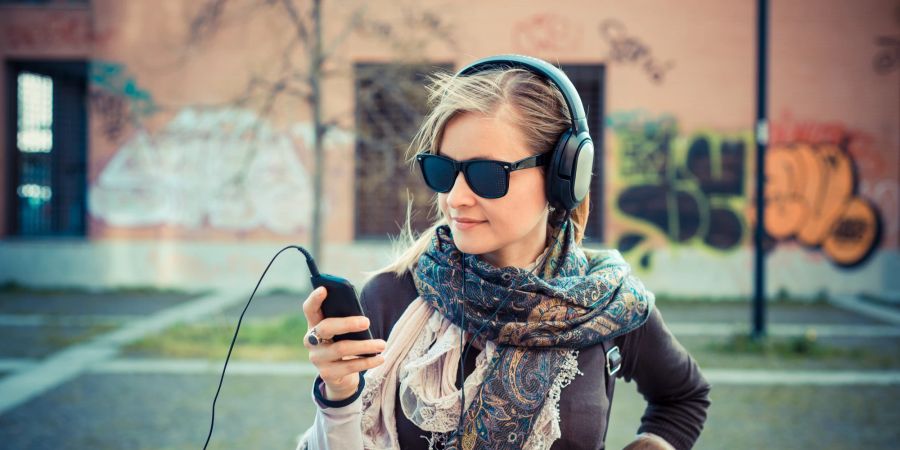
pixel 780 417
pixel 105 411
pixel 147 411
pixel 74 304
pixel 39 342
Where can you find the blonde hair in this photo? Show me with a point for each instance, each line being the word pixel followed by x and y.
pixel 531 103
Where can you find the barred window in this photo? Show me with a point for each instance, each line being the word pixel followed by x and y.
pixel 390 105
pixel 48 184
pixel 589 81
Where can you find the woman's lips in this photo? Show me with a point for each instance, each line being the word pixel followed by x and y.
pixel 465 225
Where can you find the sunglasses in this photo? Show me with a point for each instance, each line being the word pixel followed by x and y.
pixel 487 178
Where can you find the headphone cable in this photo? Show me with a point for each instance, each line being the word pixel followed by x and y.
pixel 312 269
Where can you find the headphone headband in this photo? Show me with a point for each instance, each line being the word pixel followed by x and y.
pixel 542 68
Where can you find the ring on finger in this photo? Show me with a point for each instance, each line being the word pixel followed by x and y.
pixel 314 339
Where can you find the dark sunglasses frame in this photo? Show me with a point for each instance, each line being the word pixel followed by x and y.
pixel 463 166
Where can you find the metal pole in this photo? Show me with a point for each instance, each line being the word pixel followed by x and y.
pixel 762 138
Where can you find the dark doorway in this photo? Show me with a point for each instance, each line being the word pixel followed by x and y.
pixel 47 156
pixel 589 80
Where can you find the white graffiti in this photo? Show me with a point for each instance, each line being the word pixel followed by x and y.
pixel 222 168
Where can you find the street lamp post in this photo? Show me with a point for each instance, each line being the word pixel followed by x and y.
pixel 762 137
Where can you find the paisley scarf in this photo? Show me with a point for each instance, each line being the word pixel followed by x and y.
pixel 582 297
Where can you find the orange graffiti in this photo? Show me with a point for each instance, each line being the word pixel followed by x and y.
pixel 810 196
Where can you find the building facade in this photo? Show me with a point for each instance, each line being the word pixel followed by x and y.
pixel 170 143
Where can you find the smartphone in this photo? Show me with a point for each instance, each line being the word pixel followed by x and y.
pixel 341 301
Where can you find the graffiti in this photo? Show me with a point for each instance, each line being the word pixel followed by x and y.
pixel 114 78
pixel 116 99
pixel 785 129
pixel 223 168
pixel 874 169
pixel 888 57
pixel 810 196
pixel 690 190
pixel 628 49
pixel 543 33
pixel 812 191
pixel 112 111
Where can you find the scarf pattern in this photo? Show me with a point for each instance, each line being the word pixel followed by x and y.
pixel 580 298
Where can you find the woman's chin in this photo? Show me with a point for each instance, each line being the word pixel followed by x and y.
pixel 469 246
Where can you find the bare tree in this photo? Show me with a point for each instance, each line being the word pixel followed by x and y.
pixel 303 79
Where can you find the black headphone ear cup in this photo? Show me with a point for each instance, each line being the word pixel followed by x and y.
pixel 556 186
pixel 570 171
pixel 569 174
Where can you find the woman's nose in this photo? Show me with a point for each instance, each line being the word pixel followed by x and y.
pixel 460 194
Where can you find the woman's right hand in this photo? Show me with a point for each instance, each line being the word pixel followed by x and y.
pixel 337 362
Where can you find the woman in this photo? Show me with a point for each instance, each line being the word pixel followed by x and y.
pixel 548 324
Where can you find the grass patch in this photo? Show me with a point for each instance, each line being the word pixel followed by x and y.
pixel 782 297
pixel 663 299
pixel 739 351
pixel 805 346
pixel 807 352
pixel 283 291
pixel 278 339
pixel 57 338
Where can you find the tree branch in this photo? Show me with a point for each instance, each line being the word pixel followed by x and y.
pixel 206 20
pixel 297 21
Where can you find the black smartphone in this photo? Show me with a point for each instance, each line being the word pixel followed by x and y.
pixel 341 301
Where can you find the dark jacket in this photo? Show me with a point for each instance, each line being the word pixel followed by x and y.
pixel 667 376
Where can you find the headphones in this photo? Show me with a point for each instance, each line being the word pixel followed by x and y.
pixel 569 172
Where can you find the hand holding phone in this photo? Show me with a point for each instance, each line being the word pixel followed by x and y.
pixel 342 302
pixel 335 312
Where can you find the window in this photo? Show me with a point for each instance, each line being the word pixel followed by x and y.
pixel 589 81
pixel 46 194
pixel 390 105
